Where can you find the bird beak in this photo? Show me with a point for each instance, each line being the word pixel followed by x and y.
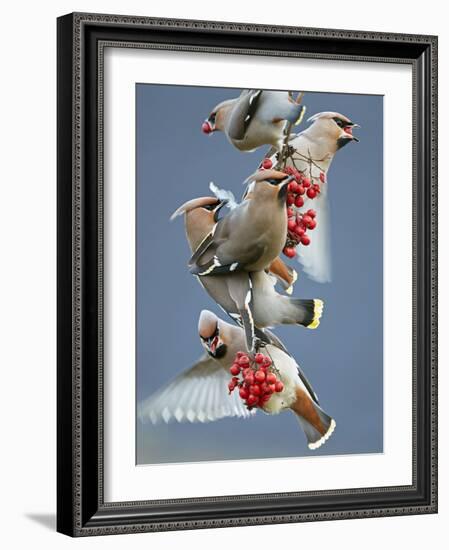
pixel 348 131
pixel 207 127
pixel 213 343
pixel 283 188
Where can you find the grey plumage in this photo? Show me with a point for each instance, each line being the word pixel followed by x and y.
pixel 243 240
pixel 255 118
pixel 249 298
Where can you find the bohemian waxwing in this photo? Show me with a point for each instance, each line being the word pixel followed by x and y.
pixel 250 299
pixel 200 393
pixel 255 118
pixel 313 152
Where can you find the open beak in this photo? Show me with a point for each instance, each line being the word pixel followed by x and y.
pixel 348 130
pixel 213 343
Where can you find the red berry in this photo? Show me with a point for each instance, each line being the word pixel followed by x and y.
pixel 255 389
pixel 264 387
pixel 290 198
pixel 267 164
pixel 259 357
pixel 231 385
pixel 244 361
pixel 311 193
pixel 311 213
pixel 244 393
pixel 306 182
pixel 288 170
pixel 317 188
pixel 279 386
pixel 299 201
pixel 297 187
pixel 271 388
pixel 322 177
pixel 235 369
pixel 300 190
pixel 259 376
pixel 306 219
pixel 291 223
pixel 299 230
pixel 305 240
pixel 206 128
pixel 271 378
pixel 290 212
pixel 264 398
pixel 312 224
pixel 249 379
pixel 266 361
pixel 251 400
pixel 289 251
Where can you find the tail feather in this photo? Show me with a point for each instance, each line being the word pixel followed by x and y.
pixel 315 439
pixel 309 312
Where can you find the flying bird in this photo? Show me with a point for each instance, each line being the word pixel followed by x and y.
pixel 313 151
pixel 200 393
pixel 255 118
pixel 249 298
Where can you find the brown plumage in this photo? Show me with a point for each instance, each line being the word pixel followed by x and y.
pixel 200 218
pixel 249 298
pixel 251 235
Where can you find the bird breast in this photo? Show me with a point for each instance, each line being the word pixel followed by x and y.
pixel 288 374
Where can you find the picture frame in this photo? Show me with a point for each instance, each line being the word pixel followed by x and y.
pixel 81 507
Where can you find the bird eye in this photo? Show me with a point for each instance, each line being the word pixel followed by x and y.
pixel 339 122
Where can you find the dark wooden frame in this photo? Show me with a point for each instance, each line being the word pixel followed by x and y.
pixel 81 507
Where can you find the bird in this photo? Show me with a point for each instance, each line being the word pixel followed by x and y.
pixel 285 275
pixel 255 118
pixel 200 393
pixel 251 235
pixel 312 151
pixel 264 307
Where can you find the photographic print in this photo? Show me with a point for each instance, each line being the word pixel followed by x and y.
pixel 259 273
pixel 247 274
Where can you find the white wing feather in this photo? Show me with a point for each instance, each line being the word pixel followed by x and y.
pixel 316 258
pixel 223 194
pixel 199 394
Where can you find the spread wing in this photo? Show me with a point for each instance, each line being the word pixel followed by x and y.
pixel 316 258
pixel 199 394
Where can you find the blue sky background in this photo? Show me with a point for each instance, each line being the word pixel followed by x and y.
pixel 342 358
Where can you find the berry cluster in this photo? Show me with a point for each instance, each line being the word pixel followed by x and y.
pixel 299 222
pixel 255 379
pixel 297 226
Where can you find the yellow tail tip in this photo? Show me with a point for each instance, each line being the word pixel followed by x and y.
pixel 317 313
pixel 301 116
